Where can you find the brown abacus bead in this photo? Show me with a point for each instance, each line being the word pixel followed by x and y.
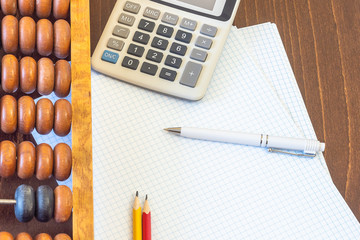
pixel 43 236
pixel 44 161
pixel 26 7
pixel 43 8
pixel 62 236
pixel 6 236
pixel 26 115
pixel 62 38
pixel 28 75
pixel 45 84
pixel 27 34
pixel 10 34
pixel 9 73
pixel 7 159
pixel 23 236
pixel 62 161
pixel 8 108
pixel 26 160
pixel 63 203
pixel 62 78
pixel 9 7
pixel 61 8
pixel 44 116
pixel 63 117
pixel 44 37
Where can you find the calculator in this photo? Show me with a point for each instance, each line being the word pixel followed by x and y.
pixel 171 46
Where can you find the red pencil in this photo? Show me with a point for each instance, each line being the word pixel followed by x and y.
pixel 146 221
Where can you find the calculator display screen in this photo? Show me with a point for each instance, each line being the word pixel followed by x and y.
pixel 207 4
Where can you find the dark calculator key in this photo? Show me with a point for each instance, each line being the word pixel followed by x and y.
pixel 154 56
pixel 178 49
pixel 165 31
pixel 129 62
pixel 183 36
pixel 168 74
pixel 159 43
pixel 149 68
pixel 173 61
pixel 141 37
pixel 146 25
pixel 135 50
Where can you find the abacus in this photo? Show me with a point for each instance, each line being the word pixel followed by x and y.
pixel 38 40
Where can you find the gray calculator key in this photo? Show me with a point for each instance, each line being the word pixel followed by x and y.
pixel 165 31
pixel 173 61
pixel 136 50
pixel 151 13
pixel 129 62
pixel 126 19
pixel 203 42
pixel 146 25
pixel 121 31
pixel 115 44
pixel 159 43
pixel 170 18
pixel 183 36
pixel 167 74
pixel 141 37
pixel 198 55
pixel 155 56
pixel 188 24
pixel 131 7
pixel 149 68
pixel 178 49
pixel 208 30
pixel 191 74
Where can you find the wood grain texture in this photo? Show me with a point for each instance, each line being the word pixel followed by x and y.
pixel 83 217
pixel 321 38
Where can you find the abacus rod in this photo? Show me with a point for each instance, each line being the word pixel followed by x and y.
pixel 7 201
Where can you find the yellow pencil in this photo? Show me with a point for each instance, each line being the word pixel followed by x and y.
pixel 137 231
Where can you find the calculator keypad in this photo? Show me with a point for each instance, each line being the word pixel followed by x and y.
pixel 181 44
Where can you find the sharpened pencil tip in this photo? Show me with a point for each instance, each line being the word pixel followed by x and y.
pixel 146 197
pixel 137 193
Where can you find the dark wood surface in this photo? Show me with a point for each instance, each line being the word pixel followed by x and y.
pixel 321 38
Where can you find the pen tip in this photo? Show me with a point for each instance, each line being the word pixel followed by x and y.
pixel 146 197
pixel 176 130
pixel 137 193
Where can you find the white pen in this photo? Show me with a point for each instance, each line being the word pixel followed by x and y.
pixel 274 144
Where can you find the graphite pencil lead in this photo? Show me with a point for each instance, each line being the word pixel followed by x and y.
pixel 146 197
pixel 137 193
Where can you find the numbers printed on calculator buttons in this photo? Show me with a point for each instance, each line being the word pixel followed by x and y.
pixel 155 56
pixel 141 37
pixel 173 61
pixel 129 62
pixel 183 36
pixel 136 50
pixel 178 49
pixel 165 31
pixel 149 68
pixel 167 74
pixel 159 43
pixel 146 25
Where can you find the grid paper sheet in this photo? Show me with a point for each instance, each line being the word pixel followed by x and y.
pixel 208 190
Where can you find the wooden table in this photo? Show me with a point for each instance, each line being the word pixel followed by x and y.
pixel 321 38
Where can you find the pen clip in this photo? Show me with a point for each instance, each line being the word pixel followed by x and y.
pixel 276 150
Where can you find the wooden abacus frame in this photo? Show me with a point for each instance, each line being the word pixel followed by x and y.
pixel 82 178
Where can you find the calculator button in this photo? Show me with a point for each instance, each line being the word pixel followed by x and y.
pixel 165 31
pixel 129 62
pixel 208 30
pixel 154 56
pixel 131 7
pixel 115 44
pixel 110 57
pixel 126 19
pixel 159 43
pixel 121 31
pixel 167 74
pixel 191 74
pixel 136 50
pixel 170 18
pixel 198 55
pixel 173 61
pixel 203 42
pixel 183 36
pixel 188 24
pixel 151 13
pixel 178 49
pixel 146 25
pixel 141 37
pixel 149 68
